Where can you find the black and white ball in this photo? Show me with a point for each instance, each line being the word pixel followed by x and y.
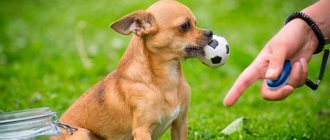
pixel 216 52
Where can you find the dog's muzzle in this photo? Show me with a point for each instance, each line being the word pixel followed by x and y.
pixel 194 51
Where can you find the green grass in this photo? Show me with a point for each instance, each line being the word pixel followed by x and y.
pixel 40 64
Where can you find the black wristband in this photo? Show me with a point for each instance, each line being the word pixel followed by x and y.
pixel 311 23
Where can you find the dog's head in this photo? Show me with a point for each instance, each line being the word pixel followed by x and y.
pixel 168 29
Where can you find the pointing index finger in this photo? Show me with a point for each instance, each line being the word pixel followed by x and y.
pixel 248 76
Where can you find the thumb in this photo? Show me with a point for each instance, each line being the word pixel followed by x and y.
pixel 276 62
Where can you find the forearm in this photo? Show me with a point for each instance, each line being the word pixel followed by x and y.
pixel 320 13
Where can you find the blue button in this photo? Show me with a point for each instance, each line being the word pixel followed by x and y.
pixel 282 79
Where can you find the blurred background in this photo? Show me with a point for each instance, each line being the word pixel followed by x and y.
pixel 51 51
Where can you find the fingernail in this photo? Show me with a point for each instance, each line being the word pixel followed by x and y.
pixel 270 73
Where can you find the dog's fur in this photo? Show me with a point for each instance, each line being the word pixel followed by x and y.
pixel 147 93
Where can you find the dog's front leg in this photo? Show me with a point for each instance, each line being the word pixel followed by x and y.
pixel 141 133
pixel 179 127
pixel 141 127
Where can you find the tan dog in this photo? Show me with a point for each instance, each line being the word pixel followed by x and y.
pixel 147 93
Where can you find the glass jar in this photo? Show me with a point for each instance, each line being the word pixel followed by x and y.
pixel 31 124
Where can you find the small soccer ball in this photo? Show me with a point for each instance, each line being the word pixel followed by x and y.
pixel 216 52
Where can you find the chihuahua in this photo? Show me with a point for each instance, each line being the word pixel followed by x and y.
pixel 147 93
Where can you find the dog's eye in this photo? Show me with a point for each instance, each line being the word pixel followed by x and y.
pixel 185 27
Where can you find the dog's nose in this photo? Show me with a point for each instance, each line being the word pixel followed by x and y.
pixel 208 33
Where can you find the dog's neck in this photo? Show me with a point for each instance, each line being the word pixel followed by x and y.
pixel 140 64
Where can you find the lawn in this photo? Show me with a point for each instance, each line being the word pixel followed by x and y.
pixel 51 51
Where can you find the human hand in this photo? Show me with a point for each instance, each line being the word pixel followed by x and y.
pixel 295 42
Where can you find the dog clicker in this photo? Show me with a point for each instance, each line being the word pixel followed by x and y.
pixel 283 78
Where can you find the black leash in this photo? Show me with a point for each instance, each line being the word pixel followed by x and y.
pixel 315 85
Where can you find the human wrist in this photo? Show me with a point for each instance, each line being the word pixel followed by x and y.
pixel 309 36
pixel 324 27
pixel 315 28
pixel 321 16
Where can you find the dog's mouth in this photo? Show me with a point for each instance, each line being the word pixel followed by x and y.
pixel 194 51
pixel 197 50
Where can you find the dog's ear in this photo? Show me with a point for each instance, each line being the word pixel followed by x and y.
pixel 140 22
